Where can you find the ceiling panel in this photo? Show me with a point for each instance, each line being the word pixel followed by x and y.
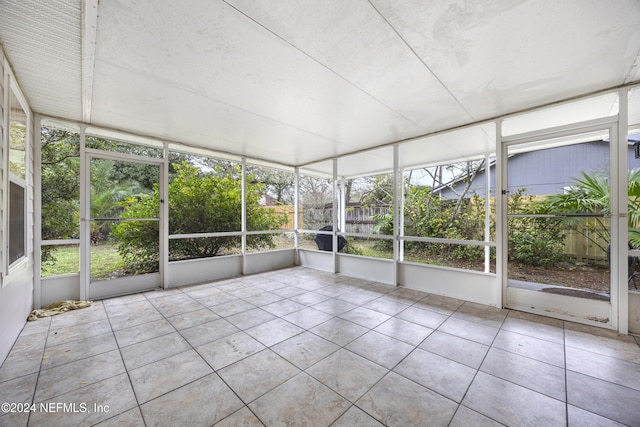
pixel 297 82
pixel 501 56
pixel 353 40
pixel 219 54
pixel 42 42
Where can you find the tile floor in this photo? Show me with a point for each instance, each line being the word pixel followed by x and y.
pixel 300 347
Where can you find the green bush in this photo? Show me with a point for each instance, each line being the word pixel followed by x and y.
pixel 198 203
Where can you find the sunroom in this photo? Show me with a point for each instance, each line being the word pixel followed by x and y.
pixel 488 153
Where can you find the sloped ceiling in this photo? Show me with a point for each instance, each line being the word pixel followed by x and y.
pixel 297 81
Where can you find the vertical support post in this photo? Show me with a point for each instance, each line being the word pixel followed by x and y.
pixel 396 212
pixel 37 216
pixel 296 213
pixel 621 284
pixel 337 213
pixel 487 213
pixel 244 215
pixel 85 222
pixel 164 219
pixel 502 198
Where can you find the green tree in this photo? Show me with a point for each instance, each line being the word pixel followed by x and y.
pixel 198 203
pixel 592 194
pixel 60 187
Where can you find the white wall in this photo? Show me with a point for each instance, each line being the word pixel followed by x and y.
pixel 16 288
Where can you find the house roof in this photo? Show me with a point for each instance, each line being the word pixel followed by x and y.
pixel 299 81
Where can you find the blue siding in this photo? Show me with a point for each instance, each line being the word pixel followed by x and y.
pixel 548 171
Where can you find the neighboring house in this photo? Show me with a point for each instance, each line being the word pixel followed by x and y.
pixel 544 172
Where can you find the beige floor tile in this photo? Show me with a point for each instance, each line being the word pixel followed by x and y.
pixel 143 332
pixel 469 330
pixel 402 330
pixel 603 341
pixel 380 348
pixel 347 373
pixel 56 355
pixel 18 390
pixel 356 417
pixel 244 417
pixel 604 367
pixel 176 304
pixel 397 401
pixel 428 318
pixel 255 375
pixel 250 318
pixel 72 376
pixel 339 331
pixel 300 401
pixel 536 326
pixel 78 331
pixel 207 332
pixel 603 398
pixel 101 401
pixel 192 318
pixel 263 299
pixel 450 379
pixel 357 297
pixel 283 307
pixel 365 317
pixel 289 291
pixel 512 404
pixel 309 298
pixel 305 349
pixel 466 417
pixel 386 306
pixel 130 418
pixel 202 402
pixel 225 351
pixel 14 419
pixel 532 374
pixel 579 417
pixel 440 304
pixel 482 314
pixel 140 354
pixel 308 317
pixel 231 307
pixel 274 331
pixel 461 350
pixel 534 348
pixel 334 306
pixel 157 378
pixel 134 318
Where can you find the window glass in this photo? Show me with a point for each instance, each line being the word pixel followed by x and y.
pixel 269 199
pixel 205 195
pixel 448 201
pixel 17 178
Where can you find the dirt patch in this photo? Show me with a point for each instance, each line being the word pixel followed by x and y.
pixel 577 276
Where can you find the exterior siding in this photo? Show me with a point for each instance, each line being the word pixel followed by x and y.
pixel 16 289
pixel 559 165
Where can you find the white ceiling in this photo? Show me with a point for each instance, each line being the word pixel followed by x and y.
pixel 298 81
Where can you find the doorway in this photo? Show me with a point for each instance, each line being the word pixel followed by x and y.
pixel 122 228
pixel 558 225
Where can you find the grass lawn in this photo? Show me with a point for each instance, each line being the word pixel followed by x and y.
pixel 105 262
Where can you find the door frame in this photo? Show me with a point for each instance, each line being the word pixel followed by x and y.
pixel 129 284
pixel 597 313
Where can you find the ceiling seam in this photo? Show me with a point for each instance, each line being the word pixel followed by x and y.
pixel 324 66
pixel 422 61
